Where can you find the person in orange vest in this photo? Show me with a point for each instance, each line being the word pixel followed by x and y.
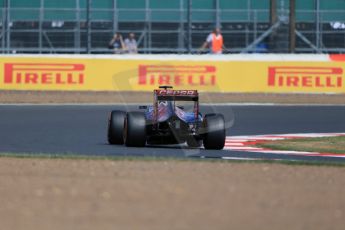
pixel 214 42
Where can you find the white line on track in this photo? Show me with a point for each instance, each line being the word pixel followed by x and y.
pixel 240 158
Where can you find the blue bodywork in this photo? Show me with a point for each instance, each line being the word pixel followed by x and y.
pixel 166 110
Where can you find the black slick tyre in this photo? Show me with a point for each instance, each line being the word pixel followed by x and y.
pixel 214 138
pixel 134 133
pixel 115 127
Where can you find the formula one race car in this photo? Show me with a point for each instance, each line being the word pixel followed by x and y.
pixel 174 118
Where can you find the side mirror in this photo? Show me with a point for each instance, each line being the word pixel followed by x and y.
pixel 143 107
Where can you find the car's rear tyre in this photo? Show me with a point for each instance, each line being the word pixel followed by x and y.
pixel 214 125
pixel 115 127
pixel 134 134
pixel 194 143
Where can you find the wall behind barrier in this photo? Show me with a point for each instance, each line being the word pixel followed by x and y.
pixel 228 73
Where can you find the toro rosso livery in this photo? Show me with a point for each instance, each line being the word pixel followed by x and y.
pixel 168 121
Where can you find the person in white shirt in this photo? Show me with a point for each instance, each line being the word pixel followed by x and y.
pixel 131 44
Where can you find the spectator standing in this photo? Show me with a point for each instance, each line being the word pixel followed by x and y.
pixel 214 42
pixel 117 44
pixel 131 44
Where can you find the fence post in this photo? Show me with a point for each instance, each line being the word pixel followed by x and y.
pixel 317 3
pixel 115 17
pixel 189 22
pixel 273 12
pixel 7 27
pixel 217 13
pixel 3 29
pixel 88 25
pixel 41 17
pixel 292 21
pixel 77 28
pixel 181 28
pixel 255 27
pixel 147 39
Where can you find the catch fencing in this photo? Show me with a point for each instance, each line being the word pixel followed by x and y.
pixel 79 28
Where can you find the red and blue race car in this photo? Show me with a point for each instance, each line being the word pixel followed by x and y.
pixel 174 118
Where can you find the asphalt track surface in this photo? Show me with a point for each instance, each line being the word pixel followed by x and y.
pixel 81 129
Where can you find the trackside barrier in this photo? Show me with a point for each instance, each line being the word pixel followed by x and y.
pixel 251 73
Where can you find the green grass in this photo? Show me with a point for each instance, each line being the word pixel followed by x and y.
pixel 335 145
pixel 70 156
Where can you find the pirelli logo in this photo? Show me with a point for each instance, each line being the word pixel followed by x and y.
pixel 309 77
pixel 44 74
pixel 177 75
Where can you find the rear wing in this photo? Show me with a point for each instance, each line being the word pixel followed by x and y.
pixel 176 95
